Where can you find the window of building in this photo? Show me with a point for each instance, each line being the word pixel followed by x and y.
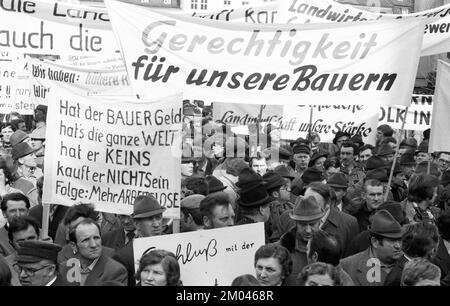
pixel 204 4
pixel 194 4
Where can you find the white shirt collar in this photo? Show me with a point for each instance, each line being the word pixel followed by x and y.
pixel 51 282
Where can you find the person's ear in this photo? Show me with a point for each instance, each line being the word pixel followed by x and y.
pixel 315 257
pixel 73 246
pixel 206 222
pixel 276 194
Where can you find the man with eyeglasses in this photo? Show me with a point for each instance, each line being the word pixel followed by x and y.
pixel 37 264
pixel 443 161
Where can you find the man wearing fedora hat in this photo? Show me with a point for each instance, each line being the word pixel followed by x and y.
pixel 25 162
pixel 362 241
pixel 419 240
pixel 148 220
pixel 254 204
pixel 36 264
pixel 370 267
pixel 306 214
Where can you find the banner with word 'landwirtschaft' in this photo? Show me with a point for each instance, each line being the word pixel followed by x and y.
pixel 213 257
pixel 366 63
pixel 92 81
pixel 418 117
pixel 297 120
pixel 107 152
pixel 436 35
pixel 54 27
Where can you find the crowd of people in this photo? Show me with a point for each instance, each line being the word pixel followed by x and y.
pixel 335 214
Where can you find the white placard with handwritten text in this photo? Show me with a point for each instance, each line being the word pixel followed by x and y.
pixel 209 257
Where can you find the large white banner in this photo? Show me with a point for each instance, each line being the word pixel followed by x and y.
pixel 108 151
pixel 440 123
pixel 212 257
pixel 90 79
pixel 368 63
pixel 418 117
pixel 53 27
pixel 437 31
pixel 297 120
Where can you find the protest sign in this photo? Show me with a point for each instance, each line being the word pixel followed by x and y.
pixel 54 27
pixel 216 61
pixel 212 257
pixel 296 121
pixel 418 118
pixel 436 35
pixel 108 151
pixel 14 85
pixel 90 79
pixel 440 125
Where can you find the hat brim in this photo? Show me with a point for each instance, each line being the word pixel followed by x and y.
pixel 338 186
pixel 306 218
pixel 388 235
pixel 27 152
pixel 28 259
pixel 256 203
pixel 218 189
pixel 147 214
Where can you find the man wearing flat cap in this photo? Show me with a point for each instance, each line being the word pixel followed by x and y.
pixel 148 219
pixel 307 215
pixel 370 267
pixel 37 264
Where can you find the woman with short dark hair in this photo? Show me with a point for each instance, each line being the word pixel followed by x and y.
pixel 273 265
pixel 158 268
pixel 319 274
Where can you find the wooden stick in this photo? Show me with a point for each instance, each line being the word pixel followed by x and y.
pixel 45 220
pixel 176 226
pixel 391 174
pixel 310 120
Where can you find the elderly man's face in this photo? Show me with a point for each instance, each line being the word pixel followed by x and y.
pixel 301 160
pixel 305 229
pixel 35 274
pixel 150 226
